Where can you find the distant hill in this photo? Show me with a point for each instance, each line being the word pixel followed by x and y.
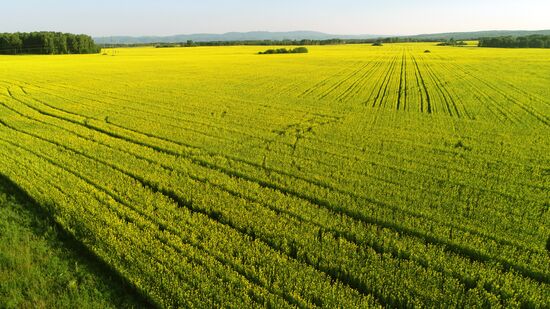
pixel 477 35
pixel 301 35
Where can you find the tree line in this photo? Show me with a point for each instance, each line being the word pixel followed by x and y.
pixel 46 43
pixel 452 42
pixel 531 41
pixel 297 50
pixel 269 42
pixel 243 43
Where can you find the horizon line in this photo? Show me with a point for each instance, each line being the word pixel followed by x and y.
pixel 318 32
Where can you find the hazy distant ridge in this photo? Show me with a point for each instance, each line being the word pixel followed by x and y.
pixel 478 34
pixel 230 36
pixel 300 35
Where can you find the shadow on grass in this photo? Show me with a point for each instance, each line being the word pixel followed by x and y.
pixel 39 258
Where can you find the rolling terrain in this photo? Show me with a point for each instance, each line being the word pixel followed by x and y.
pixel 352 176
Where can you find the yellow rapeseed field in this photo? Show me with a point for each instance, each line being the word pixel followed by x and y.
pixel 407 175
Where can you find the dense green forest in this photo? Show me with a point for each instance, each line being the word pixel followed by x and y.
pixel 531 41
pixel 47 43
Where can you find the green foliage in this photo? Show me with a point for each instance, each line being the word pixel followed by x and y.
pixel 171 45
pixel 40 267
pixel 452 42
pixel 297 50
pixel 167 45
pixel 49 43
pixel 532 41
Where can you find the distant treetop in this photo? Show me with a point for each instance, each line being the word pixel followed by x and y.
pixel 452 42
pixel 297 50
pixel 531 41
pixel 46 43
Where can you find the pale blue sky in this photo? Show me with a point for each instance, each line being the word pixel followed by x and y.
pixel 166 17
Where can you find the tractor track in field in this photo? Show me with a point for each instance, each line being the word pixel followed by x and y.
pixel 402 82
pixel 160 226
pixel 500 113
pixel 454 103
pixel 322 83
pixel 429 149
pixel 169 110
pixel 377 163
pixel 322 163
pixel 62 191
pixel 178 127
pixel 171 195
pixel 542 118
pixel 357 85
pixel 420 88
pixel 422 83
pixel 195 131
pixel 144 118
pixel 316 122
pixel 319 163
pixel 193 120
pixel 181 203
pixel 165 225
pixel 75 114
pixel 417 183
pixel 532 112
pixel 149 113
pixel 226 223
pixel 384 83
pixel 385 94
pixel 536 96
pixel 119 200
pixel 153 107
pixel 322 203
pixel 450 102
pixel 351 76
pixel 270 170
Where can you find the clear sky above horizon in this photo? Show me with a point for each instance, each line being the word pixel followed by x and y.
pixel 167 17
